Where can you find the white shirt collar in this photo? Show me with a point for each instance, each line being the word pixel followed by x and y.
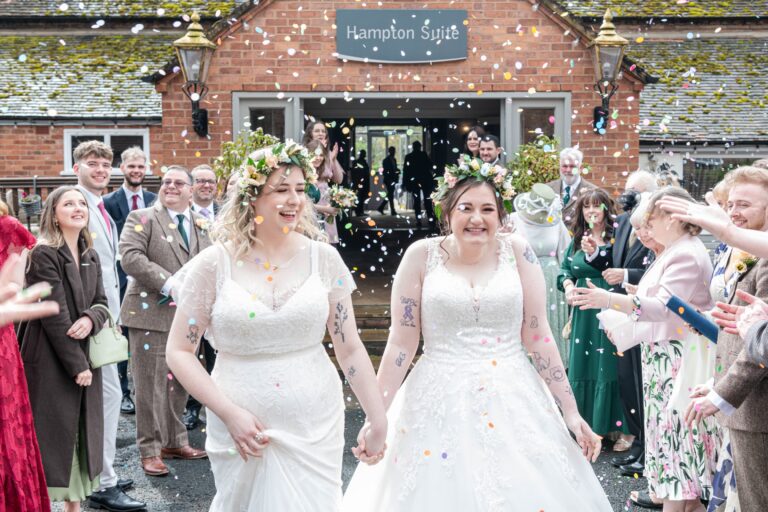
pixel 575 184
pixel 172 214
pixel 130 193
pixel 90 196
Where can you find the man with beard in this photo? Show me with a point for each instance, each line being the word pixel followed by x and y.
pixel 130 196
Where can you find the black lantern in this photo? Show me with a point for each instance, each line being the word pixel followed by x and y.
pixel 194 52
pixel 608 48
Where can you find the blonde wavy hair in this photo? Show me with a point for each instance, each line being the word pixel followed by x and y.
pixel 236 222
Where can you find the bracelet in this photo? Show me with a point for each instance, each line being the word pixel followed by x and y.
pixel 636 308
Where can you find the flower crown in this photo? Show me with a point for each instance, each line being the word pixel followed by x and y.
pixel 497 176
pixel 258 166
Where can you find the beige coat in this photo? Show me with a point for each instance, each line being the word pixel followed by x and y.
pixel 151 251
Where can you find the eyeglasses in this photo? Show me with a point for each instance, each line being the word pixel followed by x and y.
pixel 201 181
pixel 175 183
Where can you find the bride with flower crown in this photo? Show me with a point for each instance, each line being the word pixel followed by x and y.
pixel 477 425
pixel 265 293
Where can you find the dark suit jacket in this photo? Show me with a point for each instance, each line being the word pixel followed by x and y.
pixel 116 204
pixel 417 173
pixel 52 360
pixel 635 259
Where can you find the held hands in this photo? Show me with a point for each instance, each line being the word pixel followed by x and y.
pixel 701 407
pixel 84 378
pixel 588 440
pixel 371 443
pixel 81 328
pixel 591 297
pixel 710 216
pixel 613 276
pixel 739 319
pixel 246 431
pixel 588 244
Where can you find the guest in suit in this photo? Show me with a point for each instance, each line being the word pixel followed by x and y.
pixel 204 192
pixel 130 196
pixel 391 177
pixel 361 181
pixel 155 244
pixel 419 181
pixel 490 149
pixel 740 392
pixel 93 166
pixel 65 393
pixel 570 185
pixel 629 259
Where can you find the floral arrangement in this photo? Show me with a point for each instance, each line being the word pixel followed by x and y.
pixel 745 262
pixel 203 224
pixel 474 168
pixel 535 162
pixel 259 164
pixel 341 198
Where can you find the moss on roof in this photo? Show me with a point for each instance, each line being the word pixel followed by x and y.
pixel 656 8
pixel 117 8
pixel 81 76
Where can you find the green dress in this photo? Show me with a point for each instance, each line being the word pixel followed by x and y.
pixel 592 364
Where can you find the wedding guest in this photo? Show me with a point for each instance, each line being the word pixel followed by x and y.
pixel 22 486
pixel 720 193
pixel 419 180
pixel 155 244
pixel 130 196
pixel 65 393
pixel 472 141
pixel 204 192
pixel 679 460
pixel 537 219
pixel 361 181
pixel 570 185
pixel 316 130
pixel 490 149
pixel 391 177
pixel 592 368
pixel 266 291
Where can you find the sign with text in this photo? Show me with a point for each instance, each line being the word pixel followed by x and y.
pixel 400 35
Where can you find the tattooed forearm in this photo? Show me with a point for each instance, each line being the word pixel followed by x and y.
pixel 530 255
pixel 534 322
pixel 408 319
pixel 351 372
pixel 539 362
pixel 339 318
pixel 193 335
pixel 557 373
pixel 400 359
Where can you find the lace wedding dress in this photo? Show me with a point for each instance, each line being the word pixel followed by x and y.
pixel 474 428
pixel 271 361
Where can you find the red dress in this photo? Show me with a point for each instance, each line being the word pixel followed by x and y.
pixel 22 481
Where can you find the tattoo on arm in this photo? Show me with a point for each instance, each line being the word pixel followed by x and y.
pixel 408 319
pixel 534 322
pixel 400 359
pixel 351 372
pixel 193 335
pixel 557 373
pixel 529 255
pixel 339 318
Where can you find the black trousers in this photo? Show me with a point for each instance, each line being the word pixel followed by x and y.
pixel 391 189
pixel 209 357
pixel 430 214
pixel 630 374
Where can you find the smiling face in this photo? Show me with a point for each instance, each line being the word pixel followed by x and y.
pixel 594 213
pixel 134 171
pixel 204 186
pixel 281 201
pixel 747 204
pixel 175 190
pixel 475 218
pixel 489 152
pixel 93 173
pixel 473 142
pixel 71 212
pixel 320 132
pixel 569 169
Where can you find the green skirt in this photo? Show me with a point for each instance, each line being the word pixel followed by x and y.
pixel 80 487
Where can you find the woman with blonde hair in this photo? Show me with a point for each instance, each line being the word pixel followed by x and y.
pixel 65 392
pixel 265 292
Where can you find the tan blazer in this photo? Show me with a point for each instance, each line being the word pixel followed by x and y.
pixel 151 251
pixel 739 381
pixel 569 209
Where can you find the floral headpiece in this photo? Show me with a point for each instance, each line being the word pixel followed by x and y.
pixel 253 173
pixel 497 176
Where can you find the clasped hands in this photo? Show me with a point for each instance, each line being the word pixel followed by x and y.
pixel 371 443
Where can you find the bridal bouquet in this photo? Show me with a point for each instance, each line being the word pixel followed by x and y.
pixel 341 198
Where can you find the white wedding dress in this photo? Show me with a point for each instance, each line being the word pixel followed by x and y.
pixel 272 362
pixel 474 428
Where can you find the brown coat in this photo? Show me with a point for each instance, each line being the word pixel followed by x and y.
pixel 52 360
pixel 150 255
pixel 739 381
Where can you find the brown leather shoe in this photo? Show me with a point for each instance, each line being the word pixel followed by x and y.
pixel 154 466
pixel 185 452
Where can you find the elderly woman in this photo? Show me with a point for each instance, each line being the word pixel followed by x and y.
pixel 679 460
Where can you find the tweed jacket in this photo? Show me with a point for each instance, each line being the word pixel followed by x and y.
pixel 757 343
pixel 151 251
pixel 738 380
pixel 568 209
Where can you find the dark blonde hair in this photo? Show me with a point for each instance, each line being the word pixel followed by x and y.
pixel 452 197
pixel 313 146
pixel 310 128
pixel 748 174
pixel 94 148
pixel 50 232
pixel 672 191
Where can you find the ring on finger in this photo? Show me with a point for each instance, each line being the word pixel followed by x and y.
pixel 259 437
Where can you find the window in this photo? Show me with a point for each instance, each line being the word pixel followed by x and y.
pixel 535 122
pixel 701 174
pixel 271 120
pixel 118 139
pixel 527 118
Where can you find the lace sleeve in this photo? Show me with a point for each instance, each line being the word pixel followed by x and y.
pixel 197 284
pixel 334 273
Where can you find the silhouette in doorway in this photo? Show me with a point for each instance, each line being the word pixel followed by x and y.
pixel 361 176
pixel 391 177
pixel 419 181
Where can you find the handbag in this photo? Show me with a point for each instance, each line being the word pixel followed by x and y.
pixel 108 346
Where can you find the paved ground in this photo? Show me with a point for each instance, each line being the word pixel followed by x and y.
pixel 190 488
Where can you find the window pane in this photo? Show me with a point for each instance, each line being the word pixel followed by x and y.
pixel 535 122
pixel 271 120
pixel 701 175
pixel 77 139
pixel 120 143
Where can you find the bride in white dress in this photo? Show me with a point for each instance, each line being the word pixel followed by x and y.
pixel 475 427
pixel 275 433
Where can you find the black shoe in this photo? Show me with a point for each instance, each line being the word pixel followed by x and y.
pixel 624 460
pixel 124 484
pixel 191 419
pixel 112 498
pixel 127 406
pixel 636 468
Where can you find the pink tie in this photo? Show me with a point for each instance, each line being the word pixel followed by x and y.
pixel 106 217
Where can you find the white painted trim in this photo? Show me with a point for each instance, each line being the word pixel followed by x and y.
pixel 242 102
pixel 107 133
